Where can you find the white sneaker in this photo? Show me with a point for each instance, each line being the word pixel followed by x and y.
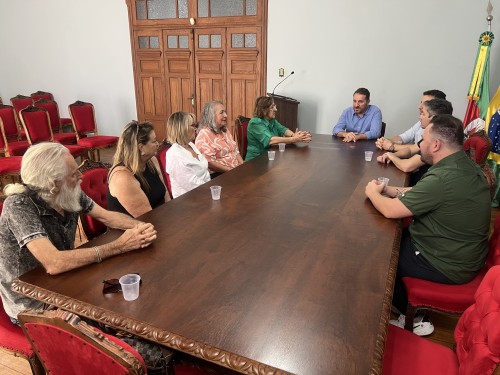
pixel 422 326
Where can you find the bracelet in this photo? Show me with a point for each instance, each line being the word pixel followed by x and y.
pixel 97 254
pixel 392 148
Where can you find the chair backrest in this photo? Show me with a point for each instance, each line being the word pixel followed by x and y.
pixel 19 102
pixel 241 125
pixel 478 146
pixel 161 156
pixel 53 110
pixel 8 117
pixel 382 129
pixel 67 345
pixel 83 117
pixel 36 123
pixel 41 95
pixel 95 185
pixel 477 334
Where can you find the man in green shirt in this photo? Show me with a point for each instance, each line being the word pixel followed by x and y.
pixel 448 239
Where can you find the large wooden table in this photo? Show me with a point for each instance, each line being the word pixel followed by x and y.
pixel 290 272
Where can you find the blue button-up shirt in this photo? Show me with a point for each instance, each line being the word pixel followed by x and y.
pixel 370 122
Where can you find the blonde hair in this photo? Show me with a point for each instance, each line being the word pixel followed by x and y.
pixel 178 127
pixel 127 151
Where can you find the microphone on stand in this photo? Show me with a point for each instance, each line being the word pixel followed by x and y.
pixel 280 82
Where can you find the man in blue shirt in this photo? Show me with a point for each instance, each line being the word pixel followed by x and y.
pixel 361 121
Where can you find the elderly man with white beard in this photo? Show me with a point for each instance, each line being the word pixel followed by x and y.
pixel 39 221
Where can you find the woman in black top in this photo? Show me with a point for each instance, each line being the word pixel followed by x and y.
pixel 135 184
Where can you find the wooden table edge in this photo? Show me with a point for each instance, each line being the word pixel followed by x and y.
pixel 192 347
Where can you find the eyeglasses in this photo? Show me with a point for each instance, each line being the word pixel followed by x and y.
pixel 113 286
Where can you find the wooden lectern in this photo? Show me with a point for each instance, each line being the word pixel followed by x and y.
pixel 287 111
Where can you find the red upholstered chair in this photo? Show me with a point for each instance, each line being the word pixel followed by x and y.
pixel 478 147
pixel 55 122
pixel 67 345
pixel 36 123
pixel 95 185
pixel 12 340
pixel 39 95
pixel 19 102
pixel 84 122
pixel 36 96
pixel 241 124
pixel 161 156
pixel 449 298
pixel 10 140
pixel 477 338
pixel 10 166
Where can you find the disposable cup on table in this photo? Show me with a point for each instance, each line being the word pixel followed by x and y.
pixel 383 181
pixel 130 286
pixel 281 147
pixel 368 155
pixel 271 155
pixel 215 190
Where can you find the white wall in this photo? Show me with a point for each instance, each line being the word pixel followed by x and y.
pixel 78 50
pixel 397 49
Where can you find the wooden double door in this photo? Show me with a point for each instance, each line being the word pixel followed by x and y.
pixel 182 68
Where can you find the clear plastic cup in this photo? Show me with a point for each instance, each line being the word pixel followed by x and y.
pixel 130 286
pixel 215 190
pixel 368 155
pixel 282 147
pixel 383 181
pixel 271 155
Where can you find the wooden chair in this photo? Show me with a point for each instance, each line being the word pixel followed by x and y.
pixel 477 338
pixel 241 125
pixel 478 147
pixel 39 95
pixel 55 122
pixel 95 185
pixel 85 126
pixel 453 299
pixel 19 102
pixel 67 345
pixel 10 140
pixel 13 341
pixel 36 123
pixel 36 96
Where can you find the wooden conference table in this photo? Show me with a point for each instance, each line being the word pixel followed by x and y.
pixel 290 272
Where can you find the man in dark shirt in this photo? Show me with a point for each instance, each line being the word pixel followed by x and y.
pixel 39 221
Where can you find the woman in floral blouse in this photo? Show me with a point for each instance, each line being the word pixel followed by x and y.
pixel 215 142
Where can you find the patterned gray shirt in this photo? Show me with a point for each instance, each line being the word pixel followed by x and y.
pixel 26 217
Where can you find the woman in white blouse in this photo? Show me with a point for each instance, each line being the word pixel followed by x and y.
pixel 185 164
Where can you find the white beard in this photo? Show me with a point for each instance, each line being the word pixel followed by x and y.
pixel 69 199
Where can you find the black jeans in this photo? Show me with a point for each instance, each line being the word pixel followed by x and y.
pixel 413 265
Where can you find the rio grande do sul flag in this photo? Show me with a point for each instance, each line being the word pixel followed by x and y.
pixel 478 94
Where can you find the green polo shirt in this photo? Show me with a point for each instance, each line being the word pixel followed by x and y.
pixel 451 207
pixel 259 135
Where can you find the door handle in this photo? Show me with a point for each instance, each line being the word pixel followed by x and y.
pixel 192 100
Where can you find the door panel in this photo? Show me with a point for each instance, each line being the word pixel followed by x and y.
pixel 244 70
pixel 179 72
pixel 210 47
pixel 187 53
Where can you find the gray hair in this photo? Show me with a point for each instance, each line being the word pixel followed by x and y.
pixel 207 119
pixel 42 166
